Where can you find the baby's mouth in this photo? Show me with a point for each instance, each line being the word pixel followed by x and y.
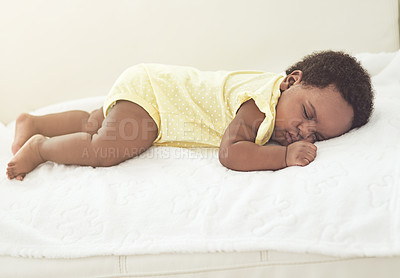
pixel 288 137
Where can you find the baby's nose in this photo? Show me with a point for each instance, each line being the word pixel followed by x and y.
pixel 306 129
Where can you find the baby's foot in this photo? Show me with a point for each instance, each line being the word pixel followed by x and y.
pixel 26 159
pixel 24 129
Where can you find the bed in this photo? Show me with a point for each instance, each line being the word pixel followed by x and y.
pixel 174 212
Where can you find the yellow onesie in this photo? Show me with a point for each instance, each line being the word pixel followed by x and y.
pixel 192 108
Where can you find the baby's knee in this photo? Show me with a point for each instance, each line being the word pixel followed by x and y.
pixel 103 154
pixel 94 121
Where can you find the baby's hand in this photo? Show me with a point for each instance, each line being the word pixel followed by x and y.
pixel 300 153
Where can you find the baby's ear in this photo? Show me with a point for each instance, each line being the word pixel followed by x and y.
pixel 291 79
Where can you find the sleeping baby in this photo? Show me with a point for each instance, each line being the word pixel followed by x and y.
pixel 322 96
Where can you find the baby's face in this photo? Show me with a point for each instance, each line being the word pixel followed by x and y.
pixel 311 114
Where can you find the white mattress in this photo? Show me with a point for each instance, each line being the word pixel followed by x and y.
pixel 345 203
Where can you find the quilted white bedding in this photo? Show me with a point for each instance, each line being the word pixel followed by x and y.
pixel 345 203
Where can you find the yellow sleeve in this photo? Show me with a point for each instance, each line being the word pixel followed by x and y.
pixel 266 127
pixel 266 99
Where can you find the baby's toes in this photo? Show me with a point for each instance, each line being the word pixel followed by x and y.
pixel 10 173
pixel 11 170
pixel 20 177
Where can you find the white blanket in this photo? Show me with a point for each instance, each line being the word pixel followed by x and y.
pixel 345 203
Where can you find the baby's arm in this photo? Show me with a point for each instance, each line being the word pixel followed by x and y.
pixel 239 152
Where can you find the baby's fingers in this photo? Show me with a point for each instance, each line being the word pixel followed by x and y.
pixel 301 153
pixel 310 157
pixel 307 157
pixel 312 154
pixel 304 161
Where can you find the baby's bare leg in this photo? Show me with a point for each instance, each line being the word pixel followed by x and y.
pixel 55 124
pixel 127 131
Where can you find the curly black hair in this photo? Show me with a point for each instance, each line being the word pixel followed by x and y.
pixel 324 68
